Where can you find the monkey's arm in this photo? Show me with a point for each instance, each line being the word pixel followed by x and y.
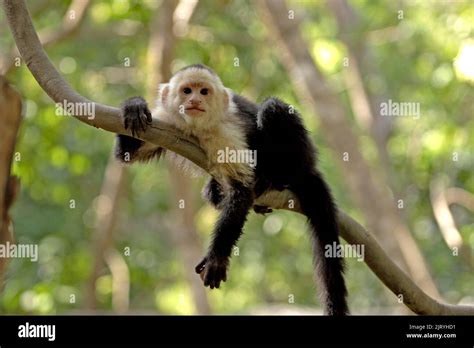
pixel 235 207
pixel 213 193
pixel 137 117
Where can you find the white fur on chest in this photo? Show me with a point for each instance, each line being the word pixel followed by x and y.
pixel 214 135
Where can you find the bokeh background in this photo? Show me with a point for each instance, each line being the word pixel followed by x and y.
pixel 129 247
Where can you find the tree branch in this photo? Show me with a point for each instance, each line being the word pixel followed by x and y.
pixel 72 21
pixel 107 118
pixel 460 196
pixel 446 223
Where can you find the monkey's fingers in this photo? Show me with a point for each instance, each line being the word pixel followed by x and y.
pixel 143 122
pixel 200 267
pixel 132 119
pixel 125 123
pixel 148 115
pixel 224 275
pixel 207 278
pixel 211 280
pixel 214 276
pixel 135 127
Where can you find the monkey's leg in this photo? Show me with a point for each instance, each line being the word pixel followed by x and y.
pixel 318 206
pixel 136 116
pixel 283 133
pixel 235 208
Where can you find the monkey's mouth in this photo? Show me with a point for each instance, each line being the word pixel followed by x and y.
pixel 195 109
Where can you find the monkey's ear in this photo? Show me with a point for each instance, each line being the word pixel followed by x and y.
pixel 226 98
pixel 163 92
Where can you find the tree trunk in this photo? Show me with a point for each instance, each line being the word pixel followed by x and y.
pixel 183 232
pixel 10 118
pixel 107 206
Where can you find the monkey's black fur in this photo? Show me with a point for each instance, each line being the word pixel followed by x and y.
pixel 286 160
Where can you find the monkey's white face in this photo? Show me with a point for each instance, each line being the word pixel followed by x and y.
pixel 196 97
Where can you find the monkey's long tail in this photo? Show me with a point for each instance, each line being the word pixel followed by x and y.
pixel 317 204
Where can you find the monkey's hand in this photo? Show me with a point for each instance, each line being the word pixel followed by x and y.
pixel 136 115
pixel 212 270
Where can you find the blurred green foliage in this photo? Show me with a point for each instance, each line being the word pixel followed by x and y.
pixel 64 160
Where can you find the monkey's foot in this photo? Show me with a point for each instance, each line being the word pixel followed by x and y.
pixel 136 115
pixel 262 209
pixel 213 270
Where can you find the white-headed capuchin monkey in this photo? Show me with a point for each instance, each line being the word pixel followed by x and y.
pixel 196 102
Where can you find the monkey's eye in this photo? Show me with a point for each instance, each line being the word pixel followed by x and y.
pixel 187 90
pixel 204 91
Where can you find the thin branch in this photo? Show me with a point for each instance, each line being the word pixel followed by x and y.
pixel 446 223
pixel 120 280
pixel 457 195
pixel 182 15
pixel 108 118
pixel 72 20
pixel 443 215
